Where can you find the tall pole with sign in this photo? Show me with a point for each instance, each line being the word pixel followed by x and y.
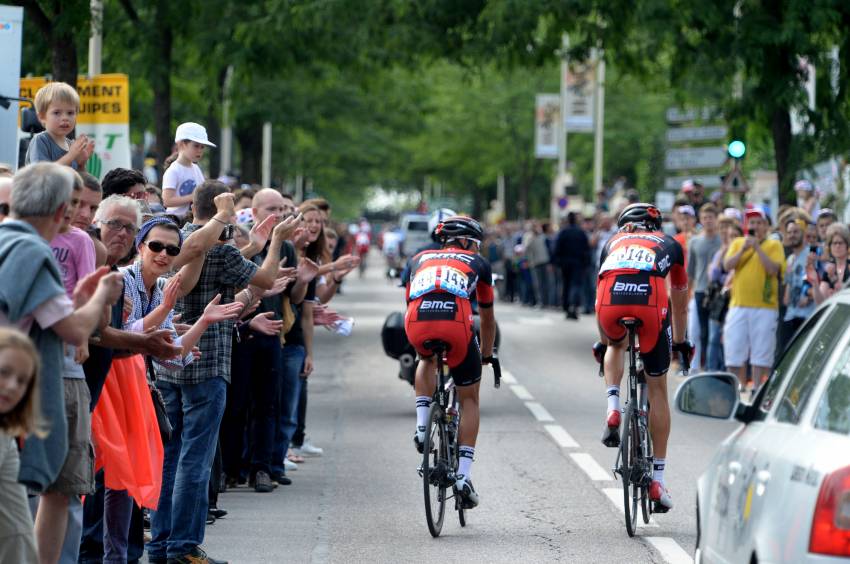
pixel 96 38
pixel 558 189
pixel 599 123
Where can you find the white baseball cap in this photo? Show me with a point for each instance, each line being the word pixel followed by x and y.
pixel 191 131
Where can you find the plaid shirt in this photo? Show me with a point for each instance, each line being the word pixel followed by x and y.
pixel 225 270
pixel 137 304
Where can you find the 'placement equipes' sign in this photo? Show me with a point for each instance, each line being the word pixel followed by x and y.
pixel 679 134
pixel 104 116
pixel 696 157
pixel 547 112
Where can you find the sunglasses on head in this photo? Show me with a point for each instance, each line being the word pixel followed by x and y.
pixel 157 247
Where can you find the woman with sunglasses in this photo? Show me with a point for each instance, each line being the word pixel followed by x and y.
pixel 124 424
pixel 836 267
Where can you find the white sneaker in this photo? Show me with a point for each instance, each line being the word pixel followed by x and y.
pixel 288 465
pixel 308 449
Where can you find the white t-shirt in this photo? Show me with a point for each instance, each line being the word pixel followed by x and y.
pixel 183 179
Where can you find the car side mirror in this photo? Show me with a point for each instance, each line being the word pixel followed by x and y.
pixel 710 394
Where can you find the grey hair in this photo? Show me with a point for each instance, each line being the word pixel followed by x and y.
pixel 40 189
pixel 119 201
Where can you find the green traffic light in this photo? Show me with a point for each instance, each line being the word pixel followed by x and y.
pixel 736 149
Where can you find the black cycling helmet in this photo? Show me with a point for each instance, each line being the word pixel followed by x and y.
pixel 646 214
pixel 459 227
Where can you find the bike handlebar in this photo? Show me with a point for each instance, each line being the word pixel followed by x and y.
pixel 497 369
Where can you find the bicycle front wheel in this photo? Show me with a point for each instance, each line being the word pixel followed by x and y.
pixel 628 459
pixel 435 467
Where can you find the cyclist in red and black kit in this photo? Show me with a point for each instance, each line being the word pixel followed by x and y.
pixel 634 266
pixel 442 283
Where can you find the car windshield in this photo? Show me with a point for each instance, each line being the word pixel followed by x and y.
pixel 417 226
pixel 806 375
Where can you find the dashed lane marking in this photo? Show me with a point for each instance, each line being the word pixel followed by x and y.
pixel 670 550
pixel 560 436
pixel 508 377
pixel 590 467
pixel 539 412
pixel 521 392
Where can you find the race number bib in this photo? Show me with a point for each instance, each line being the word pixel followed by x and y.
pixel 632 257
pixel 443 278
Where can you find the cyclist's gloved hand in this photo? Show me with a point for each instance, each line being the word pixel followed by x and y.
pixel 599 351
pixel 687 350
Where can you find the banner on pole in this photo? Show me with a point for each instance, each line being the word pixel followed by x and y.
pixel 581 86
pixel 547 112
pixel 104 116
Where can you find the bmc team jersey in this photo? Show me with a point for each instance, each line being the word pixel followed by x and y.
pixel 631 283
pixel 442 283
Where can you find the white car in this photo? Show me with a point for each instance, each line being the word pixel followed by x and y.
pixel 778 488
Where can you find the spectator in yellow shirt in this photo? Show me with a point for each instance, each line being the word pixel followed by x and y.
pixel 750 330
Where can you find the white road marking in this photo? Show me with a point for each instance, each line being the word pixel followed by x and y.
pixel 616 497
pixel 590 467
pixel 670 550
pixel 539 412
pixel 521 392
pixel 508 377
pixel 560 436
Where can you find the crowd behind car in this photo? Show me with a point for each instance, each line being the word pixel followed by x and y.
pixel 156 344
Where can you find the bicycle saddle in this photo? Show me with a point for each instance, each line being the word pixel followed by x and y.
pixel 632 322
pixel 436 346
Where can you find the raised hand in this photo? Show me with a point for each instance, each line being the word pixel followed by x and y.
pixel 307 270
pixel 287 227
pixel 263 323
pixel 261 231
pixel 225 203
pixel 159 344
pixel 78 147
pixel 169 294
pixel 112 285
pixel 299 237
pixel 87 285
pixel 279 286
pixel 216 311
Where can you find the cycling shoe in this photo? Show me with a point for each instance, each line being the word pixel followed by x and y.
pixel 611 435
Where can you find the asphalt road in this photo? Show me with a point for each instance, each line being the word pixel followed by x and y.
pixel 547 493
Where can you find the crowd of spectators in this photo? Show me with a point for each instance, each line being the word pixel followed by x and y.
pixel 156 345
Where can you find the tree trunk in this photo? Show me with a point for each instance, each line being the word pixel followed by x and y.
pixel 780 124
pixel 161 84
pixel 63 58
pixel 250 149
pixel 214 130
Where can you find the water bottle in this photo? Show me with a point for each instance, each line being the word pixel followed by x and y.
pixel 452 420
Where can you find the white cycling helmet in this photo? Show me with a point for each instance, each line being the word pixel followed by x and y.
pixel 437 217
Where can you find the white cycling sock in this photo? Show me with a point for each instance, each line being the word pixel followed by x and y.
pixel 464 466
pixel 658 469
pixel 613 398
pixel 423 404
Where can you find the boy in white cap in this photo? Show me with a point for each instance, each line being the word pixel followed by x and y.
pixel 184 174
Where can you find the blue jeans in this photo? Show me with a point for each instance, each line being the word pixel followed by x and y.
pixel 292 363
pixel 714 360
pixel 195 411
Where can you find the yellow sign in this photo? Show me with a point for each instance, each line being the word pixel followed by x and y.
pixel 103 99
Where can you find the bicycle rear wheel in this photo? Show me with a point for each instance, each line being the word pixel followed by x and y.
pixel 628 459
pixel 435 466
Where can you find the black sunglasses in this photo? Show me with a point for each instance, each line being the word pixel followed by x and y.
pixel 4 209
pixel 157 247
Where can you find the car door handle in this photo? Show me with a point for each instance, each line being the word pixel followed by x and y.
pixel 762 478
pixel 734 469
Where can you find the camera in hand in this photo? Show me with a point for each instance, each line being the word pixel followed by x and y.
pixel 226 233
pixel 751 232
pixel 816 249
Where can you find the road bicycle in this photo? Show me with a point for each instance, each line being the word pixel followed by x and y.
pixel 634 457
pixel 440 449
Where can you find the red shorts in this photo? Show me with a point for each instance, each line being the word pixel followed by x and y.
pixel 643 297
pixel 445 317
